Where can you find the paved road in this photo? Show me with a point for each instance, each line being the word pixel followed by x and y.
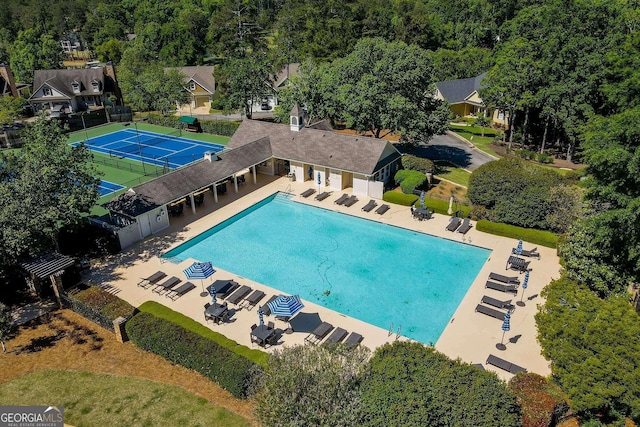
pixel 450 148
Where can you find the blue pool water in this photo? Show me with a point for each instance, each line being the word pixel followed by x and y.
pixel 370 271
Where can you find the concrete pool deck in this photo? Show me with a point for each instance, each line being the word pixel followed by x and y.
pixel 469 336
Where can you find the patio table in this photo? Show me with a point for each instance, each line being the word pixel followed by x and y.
pixel 262 334
pixel 216 312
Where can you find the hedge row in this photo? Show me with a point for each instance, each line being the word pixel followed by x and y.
pixel 409 180
pixel 159 310
pixel 88 313
pixel 442 207
pixel 179 345
pixel 537 237
pixel 214 127
pixel 399 198
pixel 100 300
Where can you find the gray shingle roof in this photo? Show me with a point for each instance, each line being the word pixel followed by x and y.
pixel 456 91
pixel 62 79
pixel 193 177
pixel 318 147
pixel 203 74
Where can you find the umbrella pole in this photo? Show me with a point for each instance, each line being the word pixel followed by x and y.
pixel 203 293
pixel 501 346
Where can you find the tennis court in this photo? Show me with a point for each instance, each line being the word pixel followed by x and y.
pixel 107 187
pixel 170 150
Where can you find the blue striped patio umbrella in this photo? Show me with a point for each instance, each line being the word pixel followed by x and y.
pixel 212 292
pixel 525 282
pixel 200 270
pixel 285 306
pixel 506 325
pixel 518 250
pixel 261 315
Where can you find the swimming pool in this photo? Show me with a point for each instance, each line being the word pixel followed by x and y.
pixel 364 269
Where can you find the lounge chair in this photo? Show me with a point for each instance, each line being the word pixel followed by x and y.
pixel 353 340
pixel 501 287
pixel 519 264
pixel 504 279
pixel 490 311
pixel 166 285
pixel 466 226
pixel 505 365
pixel 533 253
pixel 350 201
pixel 336 336
pixel 239 295
pixel 382 209
pixel 497 303
pixel 152 280
pixel 254 298
pixel 174 294
pixel 341 199
pixel 320 197
pixel 319 333
pixel 369 206
pixel 307 193
pixel 229 289
pixel 454 223
pixel 265 307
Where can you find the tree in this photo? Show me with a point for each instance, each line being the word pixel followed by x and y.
pixel 6 325
pixel 312 385
pixel 111 50
pixel 244 82
pixel 389 87
pixel 10 108
pixel 593 346
pixel 483 121
pixel 410 384
pixel 33 51
pixel 46 186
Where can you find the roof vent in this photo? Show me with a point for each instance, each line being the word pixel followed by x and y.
pixel 211 156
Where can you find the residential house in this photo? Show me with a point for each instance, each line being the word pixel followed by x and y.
pixel 332 161
pixel 464 99
pixel 70 91
pixel 277 82
pixel 200 83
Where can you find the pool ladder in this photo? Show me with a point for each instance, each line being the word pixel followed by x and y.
pixel 397 331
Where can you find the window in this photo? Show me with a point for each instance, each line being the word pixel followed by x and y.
pixel 96 86
pixel 76 87
pixel 192 85
pixel 500 114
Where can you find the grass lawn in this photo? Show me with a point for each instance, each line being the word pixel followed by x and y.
pixel 453 173
pixel 100 399
pixel 473 134
pixel 141 387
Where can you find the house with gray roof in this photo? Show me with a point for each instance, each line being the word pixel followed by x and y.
pixel 74 90
pixel 464 99
pixel 200 83
pixel 330 160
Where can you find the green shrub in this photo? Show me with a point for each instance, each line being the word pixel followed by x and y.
pixel 399 198
pixel 159 310
pixel 442 207
pixel 544 158
pixel 409 180
pixel 179 345
pixel 410 384
pixel 214 127
pixel 417 164
pixel 537 237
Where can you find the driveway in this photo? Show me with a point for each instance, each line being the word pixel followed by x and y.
pixel 448 147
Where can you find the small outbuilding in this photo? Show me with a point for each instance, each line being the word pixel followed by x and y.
pixel 191 124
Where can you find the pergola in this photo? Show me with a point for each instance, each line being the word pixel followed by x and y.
pixel 51 265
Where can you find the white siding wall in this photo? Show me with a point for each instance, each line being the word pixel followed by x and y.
pixel 360 185
pixel 335 180
pixel 376 189
pixel 129 235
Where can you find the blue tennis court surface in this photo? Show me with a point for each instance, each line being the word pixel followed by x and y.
pixel 171 150
pixel 107 187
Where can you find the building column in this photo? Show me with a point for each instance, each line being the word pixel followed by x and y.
pixel 253 169
pixel 193 204
pixel 215 192
pixel 235 182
